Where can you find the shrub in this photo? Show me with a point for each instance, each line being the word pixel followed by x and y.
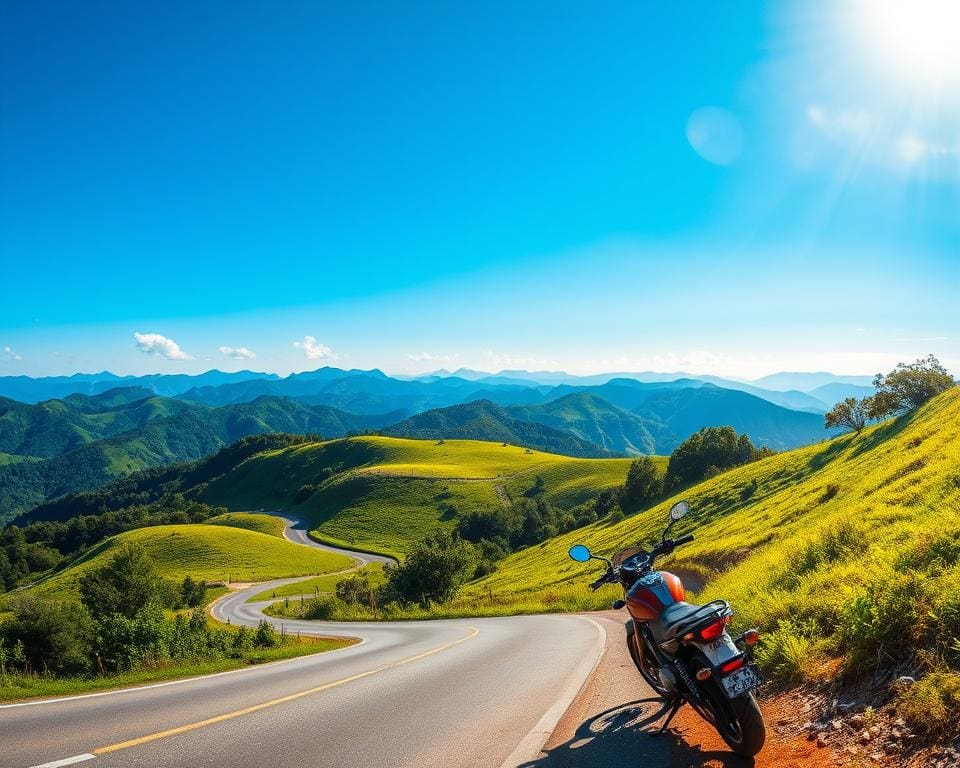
pixel 125 584
pixel 321 609
pixel 54 636
pixel 787 654
pixel 884 621
pixel 266 636
pixel 434 569
pixel 932 704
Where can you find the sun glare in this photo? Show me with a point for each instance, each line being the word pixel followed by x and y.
pixel 920 38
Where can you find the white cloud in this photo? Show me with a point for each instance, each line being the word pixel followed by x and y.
pixel 501 361
pixel 11 354
pixel 427 357
pixel 871 139
pixel 914 149
pixel 238 353
pixel 155 344
pixel 842 123
pixel 313 350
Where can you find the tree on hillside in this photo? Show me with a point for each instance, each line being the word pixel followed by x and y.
pixel 124 585
pixel 851 413
pixel 643 483
pixel 712 449
pixel 52 636
pixel 433 571
pixel 908 386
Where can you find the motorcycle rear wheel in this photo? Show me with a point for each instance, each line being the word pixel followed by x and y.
pixel 738 721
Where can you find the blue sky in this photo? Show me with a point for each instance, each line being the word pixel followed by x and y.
pixel 734 189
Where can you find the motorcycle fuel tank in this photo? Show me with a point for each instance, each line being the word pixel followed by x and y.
pixel 653 592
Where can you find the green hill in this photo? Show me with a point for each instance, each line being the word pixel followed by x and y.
pixel 848 549
pixel 71 433
pixel 372 492
pixel 591 418
pixel 382 493
pixel 484 420
pixel 210 552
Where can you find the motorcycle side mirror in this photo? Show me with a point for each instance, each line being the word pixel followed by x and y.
pixel 678 510
pixel 580 553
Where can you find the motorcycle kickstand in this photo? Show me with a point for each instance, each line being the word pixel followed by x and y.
pixel 674 708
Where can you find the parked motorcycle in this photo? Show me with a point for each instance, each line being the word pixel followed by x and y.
pixel 682 650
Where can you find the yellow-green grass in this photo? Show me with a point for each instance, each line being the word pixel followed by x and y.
pixel 251 521
pixel 385 493
pixel 568 598
pixel 321 584
pixel 19 686
pixel 210 552
pixel 852 543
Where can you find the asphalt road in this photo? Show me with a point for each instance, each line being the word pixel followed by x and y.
pixel 477 692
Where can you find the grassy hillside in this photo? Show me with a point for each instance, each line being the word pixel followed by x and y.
pixel 268 524
pixel 853 546
pixel 484 420
pixel 381 493
pixel 211 552
pixel 322 584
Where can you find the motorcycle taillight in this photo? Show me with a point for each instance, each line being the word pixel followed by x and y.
pixel 713 631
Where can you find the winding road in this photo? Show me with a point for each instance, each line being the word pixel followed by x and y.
pixel 476 692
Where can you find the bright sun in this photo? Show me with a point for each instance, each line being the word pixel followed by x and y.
pixel 921 38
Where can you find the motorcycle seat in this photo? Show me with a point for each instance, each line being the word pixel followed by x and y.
pixel 674 618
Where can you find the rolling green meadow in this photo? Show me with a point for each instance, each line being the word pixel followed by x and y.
pixel 380 494
pixel 209 552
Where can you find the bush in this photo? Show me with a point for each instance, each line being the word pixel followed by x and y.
pixel 56 637
pixel 266 636
pixel 356 590
pixel 435 568
pixel 932 704
pixel 886 620
pixel 321 609
pixel 125 585
pixel 788 654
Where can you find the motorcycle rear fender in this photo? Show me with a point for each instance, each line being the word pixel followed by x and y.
pixel 718 651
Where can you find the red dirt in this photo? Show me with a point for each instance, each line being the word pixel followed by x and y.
pixel 609 723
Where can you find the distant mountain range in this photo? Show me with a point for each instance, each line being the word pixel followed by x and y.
pixel 80 441
pixel 798 391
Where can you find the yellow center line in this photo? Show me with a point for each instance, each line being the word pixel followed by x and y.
pixel 274 702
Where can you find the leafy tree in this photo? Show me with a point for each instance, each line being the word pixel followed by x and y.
pixel 51 636
pixel 193 593
pixel 124 585
pixel 643 483
pixel 709 452
pixel 434 569
pixel 851 413
pixel 908 386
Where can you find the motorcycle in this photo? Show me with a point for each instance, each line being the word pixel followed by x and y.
pixel 684 651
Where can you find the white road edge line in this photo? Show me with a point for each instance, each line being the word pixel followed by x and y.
pixel 531 746
pixel 67 761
